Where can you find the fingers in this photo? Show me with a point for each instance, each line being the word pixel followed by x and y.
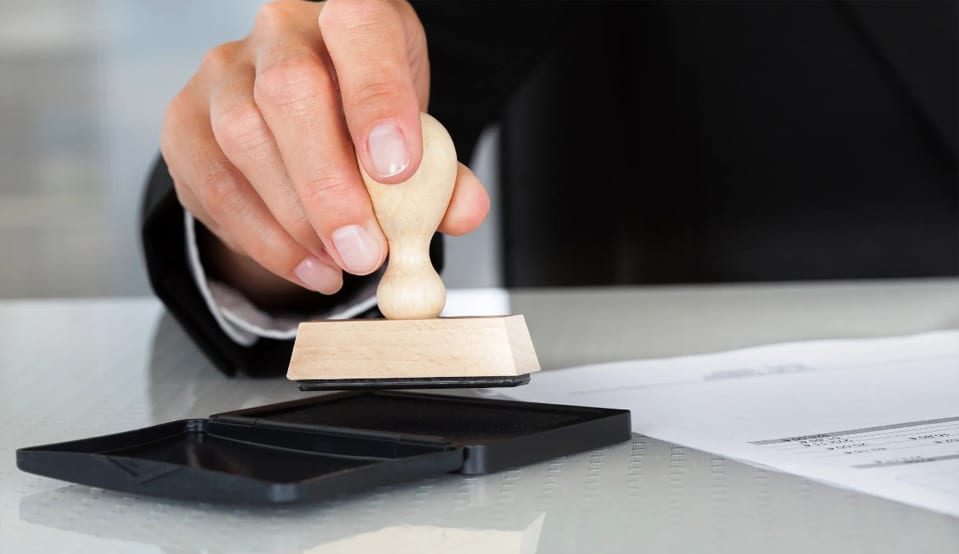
pixel 469 204
pixel 223 198
pixel 191 204
pixel 298 100
pixel 369 44
pixel 263 144
pixel 247 142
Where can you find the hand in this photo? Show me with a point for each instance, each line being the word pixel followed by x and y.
pixel 262 142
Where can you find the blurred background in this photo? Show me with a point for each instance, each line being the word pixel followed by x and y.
pixel 83 88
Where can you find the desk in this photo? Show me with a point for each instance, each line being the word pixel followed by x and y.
pixel 72 369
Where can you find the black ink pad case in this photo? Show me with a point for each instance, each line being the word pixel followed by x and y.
pixel 326 445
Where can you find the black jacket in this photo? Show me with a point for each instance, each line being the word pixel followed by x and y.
pixel 679 142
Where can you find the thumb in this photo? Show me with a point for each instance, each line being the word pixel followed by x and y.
pixel 367 42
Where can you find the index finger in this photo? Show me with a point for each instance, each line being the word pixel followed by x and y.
pixel 296 94
pixel 369 43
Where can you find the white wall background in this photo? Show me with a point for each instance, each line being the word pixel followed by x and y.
pixel 83 86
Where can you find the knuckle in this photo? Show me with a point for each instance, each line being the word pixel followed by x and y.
pixel 382 90
pixel 318 190
pixel 220 187
pixel 217 59
pixel 271 17
pixel 294 80
pixel 242 128
pixel 173 116
pixel 174 123
pixel 352 14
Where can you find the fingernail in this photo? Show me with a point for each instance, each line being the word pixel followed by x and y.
pixel 358 250
pixel 388 149
pixel 318 276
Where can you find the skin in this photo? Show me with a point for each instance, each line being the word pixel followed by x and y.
pixel 262 143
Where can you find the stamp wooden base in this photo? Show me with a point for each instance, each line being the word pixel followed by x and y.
pixel 413 349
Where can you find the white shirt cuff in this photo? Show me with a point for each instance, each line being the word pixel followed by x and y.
pixel 243 321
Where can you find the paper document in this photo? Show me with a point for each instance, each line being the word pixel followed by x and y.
pixel 880 416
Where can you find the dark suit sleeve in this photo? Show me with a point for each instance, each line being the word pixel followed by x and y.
pixel 480 53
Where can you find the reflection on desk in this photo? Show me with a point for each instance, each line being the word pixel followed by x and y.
pixel 326 531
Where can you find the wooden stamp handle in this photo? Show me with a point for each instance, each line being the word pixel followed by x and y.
pixel 409 213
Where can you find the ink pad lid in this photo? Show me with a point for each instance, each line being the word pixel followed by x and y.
pixel 325 445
